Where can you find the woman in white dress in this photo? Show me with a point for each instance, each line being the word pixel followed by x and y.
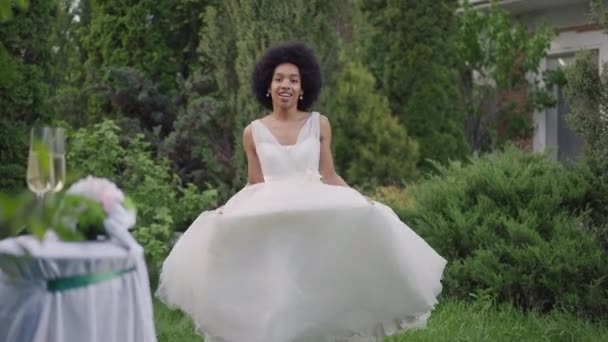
pixel 298 255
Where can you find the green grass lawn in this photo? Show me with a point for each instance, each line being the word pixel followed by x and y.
pixel 451 321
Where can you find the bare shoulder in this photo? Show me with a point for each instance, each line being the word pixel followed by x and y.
pixel 324 122
pixel 324 127
pixel 248 137
pixel 247 131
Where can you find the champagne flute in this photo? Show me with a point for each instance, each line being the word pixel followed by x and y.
pixel 58 158
pixel 40 175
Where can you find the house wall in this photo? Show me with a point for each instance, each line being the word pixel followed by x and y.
pixel 575 32
pixel 561 17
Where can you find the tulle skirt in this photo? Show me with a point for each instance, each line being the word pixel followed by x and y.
pixel 300 260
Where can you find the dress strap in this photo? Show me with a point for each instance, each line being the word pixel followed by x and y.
pixel 257 132
pixel 316 125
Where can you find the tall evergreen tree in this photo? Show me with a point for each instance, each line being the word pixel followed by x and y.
pixel 25 69
pixel 145 74
pixel 131 33
pixel 68 91
pixel 135 50
pixel 371 146
pixel 407 46
pixel 183 36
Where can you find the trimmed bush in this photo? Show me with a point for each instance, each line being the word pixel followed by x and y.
pixel 512 225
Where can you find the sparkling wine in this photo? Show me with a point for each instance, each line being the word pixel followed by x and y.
pixel 59 171
pixel 39 179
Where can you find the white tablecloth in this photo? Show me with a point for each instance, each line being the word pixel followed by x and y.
pixel 118 309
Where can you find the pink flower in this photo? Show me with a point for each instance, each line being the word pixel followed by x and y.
pixel 111 199
pixel 99 190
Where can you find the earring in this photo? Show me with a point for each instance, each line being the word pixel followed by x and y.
pixel 301 97
pixel 267 94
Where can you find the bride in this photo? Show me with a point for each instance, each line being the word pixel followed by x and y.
pixel 298 255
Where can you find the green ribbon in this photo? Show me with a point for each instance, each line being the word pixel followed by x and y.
pixel 73 282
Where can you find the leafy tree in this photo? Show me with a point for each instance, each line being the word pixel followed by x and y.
pixel 201 142
pixel 131 34
pixel 586 91
pixel 587 95
pixel 69 93
pixel 408 47
pixel 159 90
pixel 183 36
pixel 500 75
pixel 188 128
pixel 6 10
pixel 157 38
pixel 25 68
pixel 371 146
pixel 137 101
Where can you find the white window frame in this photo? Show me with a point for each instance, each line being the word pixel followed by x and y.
pixel 566 42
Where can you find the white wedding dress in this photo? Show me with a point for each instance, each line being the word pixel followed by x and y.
pixel 294 259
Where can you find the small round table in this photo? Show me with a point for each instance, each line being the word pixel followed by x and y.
pixel 56 291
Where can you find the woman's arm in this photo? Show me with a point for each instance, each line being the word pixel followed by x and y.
pixel 254 170
pixel 326 163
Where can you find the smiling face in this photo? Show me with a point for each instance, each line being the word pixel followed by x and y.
pixel 286 86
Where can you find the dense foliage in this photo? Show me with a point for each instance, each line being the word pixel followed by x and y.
pixel 178 73
pixel 514 226
pixel 155 95
pixel 587 93
pixel 383 153
pixel 500 86
pixel 409 48
pixel 164 204
pixel 25 67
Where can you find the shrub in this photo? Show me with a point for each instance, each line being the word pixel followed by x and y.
pixel 399 199
pixel 512 225
pixel 163 204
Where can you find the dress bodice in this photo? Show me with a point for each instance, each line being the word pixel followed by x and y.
pixel 289 161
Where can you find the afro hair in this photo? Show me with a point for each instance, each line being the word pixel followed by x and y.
pixel 298 54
